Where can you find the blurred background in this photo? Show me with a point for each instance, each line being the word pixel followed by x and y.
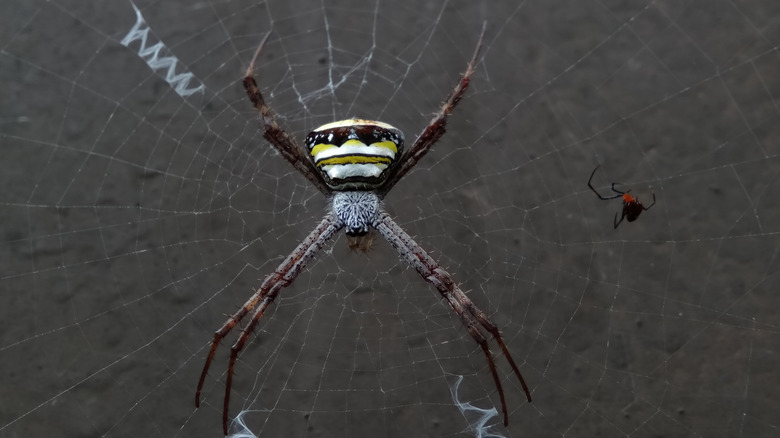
pixel 140 206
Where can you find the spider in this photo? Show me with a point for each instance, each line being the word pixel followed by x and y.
pixel 632 207
pixel 355 163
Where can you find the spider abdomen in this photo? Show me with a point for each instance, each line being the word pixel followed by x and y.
pixel 354 154
pixel 356 210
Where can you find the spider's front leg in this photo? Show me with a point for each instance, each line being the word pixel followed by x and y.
pixel 436 127
pixel 472 317
pixel 259 301
pixel 275 135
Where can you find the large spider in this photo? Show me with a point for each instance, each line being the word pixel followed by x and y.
pixel 355 163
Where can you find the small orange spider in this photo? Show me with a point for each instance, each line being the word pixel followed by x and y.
pixel 632 207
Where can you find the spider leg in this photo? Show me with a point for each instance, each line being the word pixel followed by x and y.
pixel 472 317
pixel 603 198
pixel 263 296
pixel 648 207
pixel 618 191
pixel 277 136
pixel 435 128
pixel 622 215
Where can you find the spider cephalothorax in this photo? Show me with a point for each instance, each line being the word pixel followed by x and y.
pixel 357 210
pixel 355 162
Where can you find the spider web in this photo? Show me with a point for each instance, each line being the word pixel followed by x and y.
pixel 141 206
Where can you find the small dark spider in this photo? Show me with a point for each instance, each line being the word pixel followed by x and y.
pixel 632 207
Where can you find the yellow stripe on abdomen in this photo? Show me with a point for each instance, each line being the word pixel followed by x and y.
pixel 354 159
pixel 320 148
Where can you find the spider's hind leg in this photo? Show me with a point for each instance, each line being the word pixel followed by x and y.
pixel 261 299
pixel 622 216
pixel 472 317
